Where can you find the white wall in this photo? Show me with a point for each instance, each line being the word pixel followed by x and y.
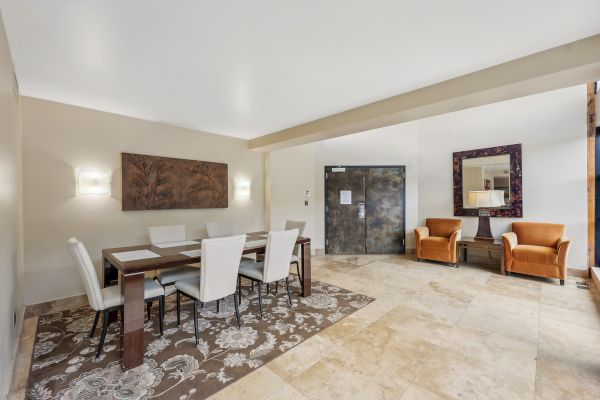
pixel 298 168
pixel 11 268
pixel 552 130
pixel 58 138
pixel 550 126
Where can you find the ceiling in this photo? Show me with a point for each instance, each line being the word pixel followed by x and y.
pixel 248 68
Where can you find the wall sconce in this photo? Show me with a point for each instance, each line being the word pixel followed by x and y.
pixel 93 182
pixel 241 188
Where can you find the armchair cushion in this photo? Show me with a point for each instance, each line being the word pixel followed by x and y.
pixel 434 243
pixel 535 254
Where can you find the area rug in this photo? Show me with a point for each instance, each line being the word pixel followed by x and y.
pixel 64 364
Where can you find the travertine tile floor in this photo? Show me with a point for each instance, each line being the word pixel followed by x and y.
pixel 434 332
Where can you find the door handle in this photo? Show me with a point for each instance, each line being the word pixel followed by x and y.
pixel 361 210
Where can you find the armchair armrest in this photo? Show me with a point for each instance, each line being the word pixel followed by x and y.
pixel 562 247
pixel 455 237
pixel 563 242
pixel 510 240
pixel 421 232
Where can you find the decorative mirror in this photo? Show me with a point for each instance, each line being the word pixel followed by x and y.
pixel 496 169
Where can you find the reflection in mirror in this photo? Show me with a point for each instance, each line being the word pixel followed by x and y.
pixel 486 173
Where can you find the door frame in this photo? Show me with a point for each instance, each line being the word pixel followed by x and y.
pixel 402 167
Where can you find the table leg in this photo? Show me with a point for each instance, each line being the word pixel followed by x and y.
pixel 132 288
pixel 306 270
pixel 502 271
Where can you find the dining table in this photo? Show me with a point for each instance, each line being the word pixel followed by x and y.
pixel 130 273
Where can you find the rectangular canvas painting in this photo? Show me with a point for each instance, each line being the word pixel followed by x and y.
pixel 161 183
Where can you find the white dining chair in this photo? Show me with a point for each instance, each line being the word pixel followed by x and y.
pixel 168 277
pixel 289 224
pixel 109 299
pixel 220 262
pixel 219 229
pixel 276 265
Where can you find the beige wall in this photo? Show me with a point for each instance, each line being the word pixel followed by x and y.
pixel 11 269
pixel 298 168
pixel 552 130
pixel 551 127
pixel 58 138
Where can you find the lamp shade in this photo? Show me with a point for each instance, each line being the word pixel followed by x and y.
pixel 486 198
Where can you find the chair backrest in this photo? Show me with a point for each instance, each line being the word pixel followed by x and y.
pixel 88 273
pixel 538 233
pixel 219 229
pixel 220 265
pixel 278 254
pixel 166 233
pixel 300 225
pixel 442 227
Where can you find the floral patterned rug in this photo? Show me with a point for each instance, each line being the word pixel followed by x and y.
pixel 64 365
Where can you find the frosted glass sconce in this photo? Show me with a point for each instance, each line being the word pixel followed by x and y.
pixel 93 183
pixel 241 188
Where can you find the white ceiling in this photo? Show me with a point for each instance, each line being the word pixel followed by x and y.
pixel 247 68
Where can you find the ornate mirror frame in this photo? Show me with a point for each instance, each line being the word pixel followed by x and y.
pixel 516 186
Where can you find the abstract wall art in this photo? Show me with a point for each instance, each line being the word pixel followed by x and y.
pixel 161 183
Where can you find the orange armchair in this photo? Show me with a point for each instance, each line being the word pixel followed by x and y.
pixel 437 240
pixel 536 248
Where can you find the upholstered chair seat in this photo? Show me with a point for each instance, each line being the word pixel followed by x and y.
pixel 535 254
pixel 434 244
pixel 171 275
pixel 437 240
pixel 536 248
pixel 252 269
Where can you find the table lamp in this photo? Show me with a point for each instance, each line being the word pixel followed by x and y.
pixel 484 200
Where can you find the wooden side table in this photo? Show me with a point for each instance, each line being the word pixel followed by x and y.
pixel 467 243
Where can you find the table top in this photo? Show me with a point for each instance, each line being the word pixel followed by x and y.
pixel 471 241
pixel 171 256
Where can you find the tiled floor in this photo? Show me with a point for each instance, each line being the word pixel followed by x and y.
pixel 436 332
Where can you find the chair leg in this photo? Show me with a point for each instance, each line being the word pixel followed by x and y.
pixel 149 306
pixel 196 322
pixel 218 306
pixel 237 311
pixel 161 313
pixel 252 286
pixel 259 285
pixel 267 289
pixel 239 296
pixel 562 282
pixel 103 337
pixel 178 308
pixel 287 285
pixel 299 274
pixel 96 318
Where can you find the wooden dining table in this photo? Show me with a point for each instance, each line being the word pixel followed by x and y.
pixel 131 275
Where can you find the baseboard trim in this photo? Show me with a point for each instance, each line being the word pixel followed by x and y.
pixel 580 273
pixel 48 307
